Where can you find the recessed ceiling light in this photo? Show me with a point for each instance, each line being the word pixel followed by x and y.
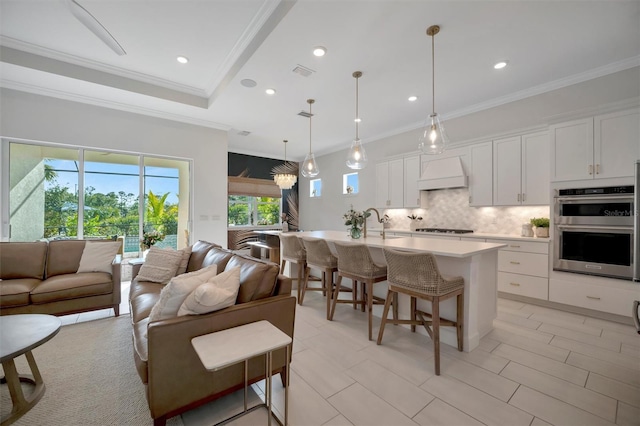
pixel 357 120
pixel 500 65
pixel 413 98
pixel 270 91
pixel 319 51
pixel 182 59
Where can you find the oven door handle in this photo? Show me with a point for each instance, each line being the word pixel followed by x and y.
pixel 597 228
pixel 587 198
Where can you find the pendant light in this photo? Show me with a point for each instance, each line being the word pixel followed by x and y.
pixel 433 139
pixel 309 166
pixel 357 156
pixel 284 176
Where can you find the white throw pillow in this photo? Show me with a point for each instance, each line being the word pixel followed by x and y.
pixel 186 254
pixel 98 256
pixel 217 293
pixel 160 265
pixel 174 293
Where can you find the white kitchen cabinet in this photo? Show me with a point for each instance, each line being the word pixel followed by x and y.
pixel 390 184
pixel 481 175
pixel 411 176
pixel 521 170
pixel 615 299
pixel 523 268
pixel 604 146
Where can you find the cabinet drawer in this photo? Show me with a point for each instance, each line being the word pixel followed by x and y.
pixel 523 285
pixel 524 246
pixel 523 263
pixel 591 296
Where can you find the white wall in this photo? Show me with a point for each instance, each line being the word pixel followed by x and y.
pixel 40 118
pixel 579 100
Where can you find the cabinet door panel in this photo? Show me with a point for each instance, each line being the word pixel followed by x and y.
pixel 507 163
pixel 616 139
pixel 396 183
pixel 535 169
pixel 382 184
pixel 411 176
pixel 523 263
pixel 572 150
pixel 481 176
pixel 523 285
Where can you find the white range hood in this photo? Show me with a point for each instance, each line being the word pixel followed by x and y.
pixel 443 173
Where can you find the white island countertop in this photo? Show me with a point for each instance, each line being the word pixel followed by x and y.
pixel 439 247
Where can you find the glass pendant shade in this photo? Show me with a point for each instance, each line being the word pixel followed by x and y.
pixel 357 156
pixel 433 138
pixel 285 180
pixel 309 166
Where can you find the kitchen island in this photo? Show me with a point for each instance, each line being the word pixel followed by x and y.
pixel 476 262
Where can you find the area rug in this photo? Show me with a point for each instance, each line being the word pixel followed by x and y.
pixel 90 378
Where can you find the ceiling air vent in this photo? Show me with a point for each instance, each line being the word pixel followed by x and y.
pixel 305 114
pixel 244 133
pixel 303 71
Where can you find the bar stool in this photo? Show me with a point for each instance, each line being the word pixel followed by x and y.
pixel 319 256
pixel 293 252
pixel 355 263
pixel 417 275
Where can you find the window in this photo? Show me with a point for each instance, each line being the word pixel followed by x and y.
pixel 350 183
pixel 246 210
pixel 315 188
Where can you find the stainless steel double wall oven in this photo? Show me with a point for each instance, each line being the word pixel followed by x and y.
pixel 594 231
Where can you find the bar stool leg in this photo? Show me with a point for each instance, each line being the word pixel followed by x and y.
pixel 385 313
pixel 435 324
pixel 369 285
pixel 336 292
pixel 413 313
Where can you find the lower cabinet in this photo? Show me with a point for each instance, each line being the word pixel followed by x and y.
pixel 615 298
pixel 523 268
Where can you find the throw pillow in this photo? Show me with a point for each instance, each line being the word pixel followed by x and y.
pixel 174 293
pixel 217 293
pixel 186 254
pixel 97 256
pixel 160 265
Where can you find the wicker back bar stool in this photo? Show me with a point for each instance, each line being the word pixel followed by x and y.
pixel 293 251
pixel 355 263
pixel 319 256
pixel 417 275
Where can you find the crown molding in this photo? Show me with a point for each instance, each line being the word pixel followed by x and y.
pixel 98 66
pixel 39 90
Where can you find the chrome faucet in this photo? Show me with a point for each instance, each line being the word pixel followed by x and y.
pixel 379 221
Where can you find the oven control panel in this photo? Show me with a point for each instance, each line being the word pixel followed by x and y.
pixel 597 191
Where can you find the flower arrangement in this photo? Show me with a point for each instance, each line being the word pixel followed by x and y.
pixel 150 238
pixel 414 217
pixel 355 220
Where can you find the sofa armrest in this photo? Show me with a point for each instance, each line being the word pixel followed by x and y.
pixel 116 277
pixel 176 376
pixel 136 264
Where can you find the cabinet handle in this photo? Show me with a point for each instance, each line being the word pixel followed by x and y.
pixel 597 169
pixel 514 246
pixel 523 197
pixel 514 263
pixel 593 298
pixel 590 169
pixel 518 197
pixel 469 199
pixel 515 284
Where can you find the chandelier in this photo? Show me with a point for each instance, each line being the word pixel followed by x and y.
pixel 284 175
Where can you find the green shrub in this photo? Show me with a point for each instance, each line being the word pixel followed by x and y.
pixel 541 222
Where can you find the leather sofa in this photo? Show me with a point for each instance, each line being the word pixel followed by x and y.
pixel 41 278
pixel 174 377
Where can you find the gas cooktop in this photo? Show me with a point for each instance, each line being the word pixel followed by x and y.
pixel 445 230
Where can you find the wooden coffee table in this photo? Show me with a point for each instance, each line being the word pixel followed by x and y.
pixel 19 334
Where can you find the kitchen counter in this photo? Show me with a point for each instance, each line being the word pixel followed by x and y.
pixel 476 262
pixel 479 235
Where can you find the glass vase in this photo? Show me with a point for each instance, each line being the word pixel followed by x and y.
pixel 355 233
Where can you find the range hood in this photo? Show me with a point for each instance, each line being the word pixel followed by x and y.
pixel 443 173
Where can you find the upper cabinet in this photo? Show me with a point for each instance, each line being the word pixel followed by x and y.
pixel 481 175
pixel 604 146
pixel 390 184
pixel 411 176
pixel 521 170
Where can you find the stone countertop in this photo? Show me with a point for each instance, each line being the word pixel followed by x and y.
pixel 480 235
pixel 439 247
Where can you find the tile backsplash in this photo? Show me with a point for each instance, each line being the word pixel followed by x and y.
pixel 449 208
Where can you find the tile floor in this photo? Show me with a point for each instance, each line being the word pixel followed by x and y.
pixel 538 366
